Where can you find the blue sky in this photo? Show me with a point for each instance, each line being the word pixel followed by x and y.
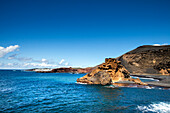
pixel 79 33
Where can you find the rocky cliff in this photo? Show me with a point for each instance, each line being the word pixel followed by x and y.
pixel 109 72
pixel 147 60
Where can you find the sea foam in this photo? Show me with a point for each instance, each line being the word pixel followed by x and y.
pixel 5 89
pixel 80 83
pixel 146 78
pixel 156 107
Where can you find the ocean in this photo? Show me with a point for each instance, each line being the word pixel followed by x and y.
pixel 30 92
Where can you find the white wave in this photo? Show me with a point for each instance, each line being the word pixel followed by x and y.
pixel 158 108
pixel 6 89
pixel 146 78
pixel 150 79
pixel 147 87
pixel 80 83
pixel 111 86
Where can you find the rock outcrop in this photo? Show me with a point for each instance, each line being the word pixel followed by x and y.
pixel 109 72
pixel 147 60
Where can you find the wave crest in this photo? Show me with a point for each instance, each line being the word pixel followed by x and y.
pixel 159 108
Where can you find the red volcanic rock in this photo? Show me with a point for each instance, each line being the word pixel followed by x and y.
pixel 84 70
pixel 62 70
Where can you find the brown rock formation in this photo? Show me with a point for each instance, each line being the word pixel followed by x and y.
pixel 62 70
pixel 108 73
pixel 137 81
pixel 147 60
pixel 164 71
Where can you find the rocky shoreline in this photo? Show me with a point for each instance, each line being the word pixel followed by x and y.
pixel 163 80
pixel 145 61
pixel 111 72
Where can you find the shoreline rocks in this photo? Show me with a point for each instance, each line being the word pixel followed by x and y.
pixel 109 72
pixel 161 80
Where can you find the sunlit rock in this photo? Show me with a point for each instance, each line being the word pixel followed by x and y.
pixel 108 73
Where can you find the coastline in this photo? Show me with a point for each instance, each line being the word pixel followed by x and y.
pixel 164 80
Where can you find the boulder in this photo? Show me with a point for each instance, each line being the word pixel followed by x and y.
pixel 164 72
pixel 101 77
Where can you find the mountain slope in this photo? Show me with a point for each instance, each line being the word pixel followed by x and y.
pixel 147 59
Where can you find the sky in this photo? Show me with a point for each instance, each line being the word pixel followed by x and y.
pixel 78 33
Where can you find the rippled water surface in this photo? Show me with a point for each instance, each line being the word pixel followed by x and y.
pixel 55 92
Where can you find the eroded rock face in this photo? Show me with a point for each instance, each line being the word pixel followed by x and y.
pixel 100 77
pixel 108 73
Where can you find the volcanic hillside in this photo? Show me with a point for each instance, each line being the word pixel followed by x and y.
pixel 147 59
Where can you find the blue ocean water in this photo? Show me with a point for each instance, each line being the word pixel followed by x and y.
pixel 32 92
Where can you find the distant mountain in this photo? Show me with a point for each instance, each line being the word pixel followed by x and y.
pixel 147 59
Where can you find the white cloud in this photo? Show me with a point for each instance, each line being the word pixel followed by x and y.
pixel 4 51
pixel 10 64
pixel 43 60
pixel 17 65
pixel 61 61
pixel 30 62
pixel 160 44
pixel 66 64
pixel 24 59
pixel 165 44
pixel 156 45
pixel 12 56
pixel 27 62
pixel 39 65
